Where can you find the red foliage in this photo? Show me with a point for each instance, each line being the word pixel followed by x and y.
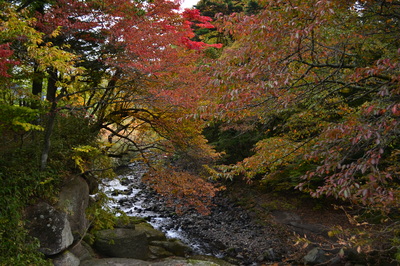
pixel 5 61
pixel 145 37
pixel 195 19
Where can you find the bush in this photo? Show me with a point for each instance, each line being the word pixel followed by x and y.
pixel 22 183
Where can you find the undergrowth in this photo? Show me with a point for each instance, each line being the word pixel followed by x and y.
pixel 23 184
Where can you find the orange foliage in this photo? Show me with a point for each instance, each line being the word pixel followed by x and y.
pixel 184 191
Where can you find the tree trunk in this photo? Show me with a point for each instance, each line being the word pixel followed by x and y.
pixel 37 82
pixel 37 87
pixel 47 136
pixel 51 85
pixel 51 96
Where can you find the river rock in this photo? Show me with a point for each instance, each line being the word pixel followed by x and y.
pixel 158 253
pixel 124 223
pixel 82 251
pixel 173 246
pixel 123 243
pixel 50 226
pixel 151 233
pixel 74 199
pixel 66 259
pixel 315 256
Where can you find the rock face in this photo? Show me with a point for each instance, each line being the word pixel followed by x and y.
pixel 175 247
pixel 74 199
pixel 151 233
pixel 50 226
pixel 124 243
pixel 158 253
pixel 82 251
pixel 66 259
pixel 140 242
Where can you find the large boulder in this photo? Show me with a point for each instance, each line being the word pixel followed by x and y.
pixel 50 226
pixel 123 243
pixel 158 253
pixel 151 233
pixel 173 246
pixel 93 183
pixel 82 251
pixel 74 199
pixel 66 259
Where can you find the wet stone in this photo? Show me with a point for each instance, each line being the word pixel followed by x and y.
pixel 227 232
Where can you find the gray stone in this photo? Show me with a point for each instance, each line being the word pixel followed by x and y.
pixel 297 225
pixel 270 254
pixel 125 222
pixel 82 251
pixel 93 183
pixel 123 243
pixel 50 227
pixel 151 233
pixel 74 199
pixel 157 252
pixel 174 246
pixel 302 229
pixel 66 259
pixel 315 256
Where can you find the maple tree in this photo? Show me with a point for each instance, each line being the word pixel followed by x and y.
pixel 313 85
pixel 323 82
pixel 107 51
pixel 322 76
pixel 126 70
pixel 5 62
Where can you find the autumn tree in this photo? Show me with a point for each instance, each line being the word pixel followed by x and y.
pixel 110 59
pixel 322 76
pixel 126 72
pixel 212 9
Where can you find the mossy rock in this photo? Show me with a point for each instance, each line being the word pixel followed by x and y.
pixel 157 252
pixel 151 233
pixel 137 220
pixel 174 246
pixel 123 243
pixel 129 222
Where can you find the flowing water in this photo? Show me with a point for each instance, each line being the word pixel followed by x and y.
pixel 130 195
pixel 228 232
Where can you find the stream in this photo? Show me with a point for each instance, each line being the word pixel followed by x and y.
pixel 130 195
pixel 229 232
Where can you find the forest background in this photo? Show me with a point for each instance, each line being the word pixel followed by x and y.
pixel 296 95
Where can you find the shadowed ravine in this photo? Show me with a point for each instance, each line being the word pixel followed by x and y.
pixel 228 232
